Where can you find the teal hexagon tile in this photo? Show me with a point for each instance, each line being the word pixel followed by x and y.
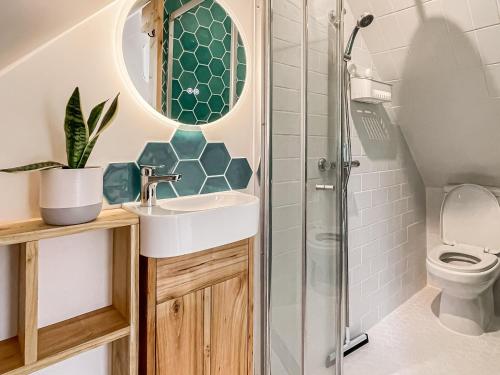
pixel 216 103
pixel 204 94
pixel 202 111
pixel 218 13
pixel 176 88
pixel 177 30
pixel 216 85
pixel 156 153
pixel 217 49
pixel 187 101
pixel 202 73
pixel 177 49
pixel 241 72
pixel 217 67
pixel 238 173
pixel 188 61
pixel 203 36
pixel 228 24
pixel 193 177
pixel 215 159
pixel 176 108
pixel 122 183
pixel 215 185
pixel 176 68
pixel 188 144
pixel 188 41
pixel 204 16
pixel 227 41
pixel 203 55
pixel 188 117
pixel 189 22
pixel 217 30
pixel 187 80
pixel 165 190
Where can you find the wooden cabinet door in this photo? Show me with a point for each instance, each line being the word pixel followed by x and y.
pixel 204 332
pixel 179 335
pixel 229 327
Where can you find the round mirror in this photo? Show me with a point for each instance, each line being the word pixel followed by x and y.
pixel 185 57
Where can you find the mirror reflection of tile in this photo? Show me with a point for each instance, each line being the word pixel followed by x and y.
pixel 206 167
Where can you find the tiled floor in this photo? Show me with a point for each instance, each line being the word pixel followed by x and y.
pixel 411 341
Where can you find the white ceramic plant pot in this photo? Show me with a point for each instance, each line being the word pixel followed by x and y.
pixel 70 196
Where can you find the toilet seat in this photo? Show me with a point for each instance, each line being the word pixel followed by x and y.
pixel 473 259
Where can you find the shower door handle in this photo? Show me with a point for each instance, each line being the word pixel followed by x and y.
pixel 325 187
pixel 354 164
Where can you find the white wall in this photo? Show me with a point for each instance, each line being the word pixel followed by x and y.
pixel 443 58
pixel 33 94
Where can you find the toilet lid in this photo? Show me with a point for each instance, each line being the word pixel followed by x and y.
pixel 470 214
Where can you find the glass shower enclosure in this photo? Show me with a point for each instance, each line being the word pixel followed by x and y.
pixel 304 279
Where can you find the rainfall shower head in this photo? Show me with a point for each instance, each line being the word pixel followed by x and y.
pixel 364 21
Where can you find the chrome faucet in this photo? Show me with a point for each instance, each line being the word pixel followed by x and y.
pixel 150 181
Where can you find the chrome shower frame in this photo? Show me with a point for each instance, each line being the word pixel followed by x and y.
pixel 266 178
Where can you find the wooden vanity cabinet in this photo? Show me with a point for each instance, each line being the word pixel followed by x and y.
pixel 196 312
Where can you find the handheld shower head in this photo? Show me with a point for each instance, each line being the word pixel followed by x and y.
pixel 365 20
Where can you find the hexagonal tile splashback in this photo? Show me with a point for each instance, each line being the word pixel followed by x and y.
pixel 206 167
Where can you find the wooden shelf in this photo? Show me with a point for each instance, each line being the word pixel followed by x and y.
pixel 83 332
pixel 33 348
pixel 36 229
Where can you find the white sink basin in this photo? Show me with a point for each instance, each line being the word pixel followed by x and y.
pixel 186 225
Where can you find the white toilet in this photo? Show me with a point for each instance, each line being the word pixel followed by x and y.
pixel 466 265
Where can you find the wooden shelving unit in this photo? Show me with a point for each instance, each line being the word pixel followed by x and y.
pixel 35 348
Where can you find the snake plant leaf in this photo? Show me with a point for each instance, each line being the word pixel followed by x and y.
pixel 77 132
pixel 95 115
pixel 34 167
pixel 106 122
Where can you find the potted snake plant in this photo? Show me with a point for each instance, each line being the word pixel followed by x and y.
pixel 71 193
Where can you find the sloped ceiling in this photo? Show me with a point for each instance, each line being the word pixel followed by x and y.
pixel 443 59
pixel 27 24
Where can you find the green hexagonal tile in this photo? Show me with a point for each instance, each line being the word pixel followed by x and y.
pixel 218 13
pixel 215 185
pixel 203 55
pixel 159 154
pixel 226 59
pixel 215 159
pixel 189 22
pixel 177 49
pixel 204 16
pixel 172 5
pixel 216 103
pixel 122 183
pixel 227 42
pixel 188 41
pixel 187 80
pixel 238 173
pixel 228 24
pixel 202 73
pixel 217 48
pixel 177 68
pixel 188 117
pixel 176 88
pixel 241 71
pixel 202 111
pixel 239 87
pixel 178 30
pixel 217 67
pixel 176 109
pixel 187 101
pixel 193 177
pixel 165 190
pixel 188 61
pixel 188 144
pixel 216 85
pixel 203 35
pixel 217 30
pixel 204 94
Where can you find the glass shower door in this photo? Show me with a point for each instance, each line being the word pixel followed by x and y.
pixel 305 189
